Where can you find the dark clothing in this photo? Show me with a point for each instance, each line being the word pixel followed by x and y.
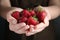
pixel 3 29
pixel 29 3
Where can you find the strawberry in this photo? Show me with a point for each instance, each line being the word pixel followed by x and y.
pixel 16 15
pixel 32 21
pixel 26 13
pixel 23 19
pixel 32 12
pixel 41 15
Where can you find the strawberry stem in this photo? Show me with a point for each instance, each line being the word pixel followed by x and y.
pixel 35 17
pixel 29 9
pixel 40 9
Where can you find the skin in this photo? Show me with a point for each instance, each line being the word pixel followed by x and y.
pixel 21 28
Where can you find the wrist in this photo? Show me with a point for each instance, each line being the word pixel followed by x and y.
pixel 5 11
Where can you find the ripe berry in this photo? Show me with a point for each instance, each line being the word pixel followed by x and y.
pixel 22 19
pixel 32 12
pixel 32 21
pixel 41 16
pixel 26 13
pixel 16 15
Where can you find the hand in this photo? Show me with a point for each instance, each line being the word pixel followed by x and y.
pixel 19 28
pixel 39 27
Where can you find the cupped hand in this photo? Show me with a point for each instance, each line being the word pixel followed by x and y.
pixel 39 27
pixel 19 28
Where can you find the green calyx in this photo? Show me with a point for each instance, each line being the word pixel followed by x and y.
pixel 35 18
pixel 39 8
pixel 29 9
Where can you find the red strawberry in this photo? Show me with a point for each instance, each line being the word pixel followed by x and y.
pixel 32 21
pixel 22 19
pixel 16 15
pixel 26 13
pixel 32 12
pixel 41 15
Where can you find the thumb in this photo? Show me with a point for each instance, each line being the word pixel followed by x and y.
pixel 11 19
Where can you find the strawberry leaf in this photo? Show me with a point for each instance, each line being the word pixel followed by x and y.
pixel 35 18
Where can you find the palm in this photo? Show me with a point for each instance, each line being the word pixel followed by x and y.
pixel 39 27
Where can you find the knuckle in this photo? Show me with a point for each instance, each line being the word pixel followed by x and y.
pixel 23 23
pixel 19 32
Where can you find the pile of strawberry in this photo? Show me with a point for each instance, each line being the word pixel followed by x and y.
pixel 30 17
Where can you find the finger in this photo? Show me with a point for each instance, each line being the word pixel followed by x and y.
pixel 39 30
pixel 11 20
pixel 46 21
pixel 28 33
pixel 22 30
pixel 32 28
pixel 16 26
pixel 25 28
pixel 36 31
pixel 39 26
pixel 20 25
